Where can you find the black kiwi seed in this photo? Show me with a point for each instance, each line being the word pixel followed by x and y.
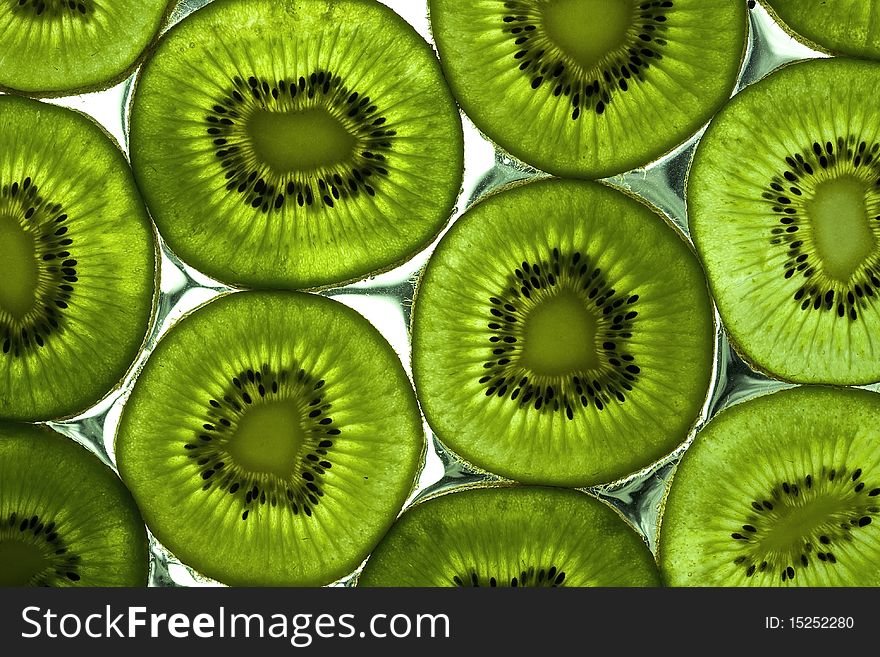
pixel 58 275
pixel 626 68
pixel 599 389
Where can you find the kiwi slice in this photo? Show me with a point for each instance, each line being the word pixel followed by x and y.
pixel 517 536
pixel 843 27
pixel 780 490
pixel 562 334
pixel 65 518
pixel 271 439
pixel 589 88
pixel 50 47
pixel 78 255
pixel 784 207
pixel 296 145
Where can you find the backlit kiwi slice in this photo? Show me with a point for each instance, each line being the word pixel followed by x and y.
pixel 588 88
pixel 78 259
pixel 271 439
pixel 296 144
pixel 65 518
pixel 53 46
pixel 848 27
pixel 562 334
pixel 784 206
pixel 511 537
pixel 781 490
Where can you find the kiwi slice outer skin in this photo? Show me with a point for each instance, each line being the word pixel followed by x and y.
pixel 66 81
pixel 784 309
pixel 778 490
pixel 852 37
pixel 511 536
pixel 455 428
pixel 65 517
pixel 268 439
pixel 47 372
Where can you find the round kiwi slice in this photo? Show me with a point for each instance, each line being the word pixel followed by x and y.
pixel 511 537
pixel 78 256
pixel 844 27
pixel 562 334
pixel 780 490
pixel 296 145
pixel 65 518
pixel 271 439
pixel 52 46
pixel 589 88
pixel 784 206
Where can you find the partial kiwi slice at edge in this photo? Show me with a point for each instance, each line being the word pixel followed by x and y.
pixel 65 517
pixel 784 210
pixel 511 537
pixel 79 258
pixel 295 145
pixel 844 27
pixel 271 439
pixel 589 88
pixel 57 47
pixel 781 490
pixel 562 334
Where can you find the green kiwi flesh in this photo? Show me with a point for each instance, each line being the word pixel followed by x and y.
pixel 562 334
pixel 271 439
pixel 784 210
pixel 589 88
pixel 65 517
pixel 844 27
pixel 511 537
pixel 780 490
pixel 296 144
pixel 79 262
pixel 52 46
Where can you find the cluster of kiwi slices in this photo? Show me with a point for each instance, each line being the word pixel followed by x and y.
pixel 566 338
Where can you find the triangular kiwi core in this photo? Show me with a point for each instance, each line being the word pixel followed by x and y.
pixel 20 563
pixel 839 220
pixel 588 30
pixel 560 337
pixel 268 438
